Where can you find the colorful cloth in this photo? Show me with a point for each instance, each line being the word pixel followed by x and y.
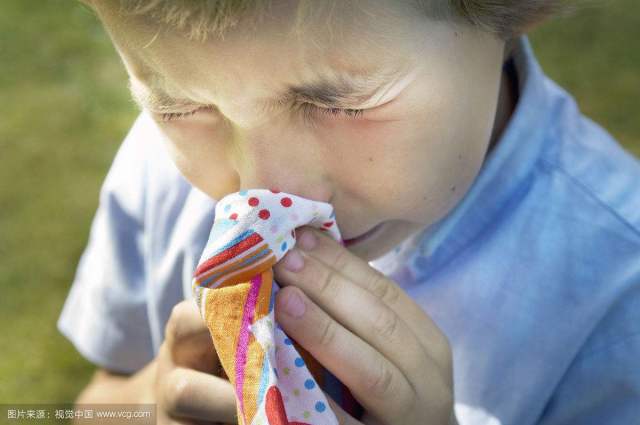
pixel 275 380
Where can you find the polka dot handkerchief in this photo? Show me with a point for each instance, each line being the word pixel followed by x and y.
pixel 275 380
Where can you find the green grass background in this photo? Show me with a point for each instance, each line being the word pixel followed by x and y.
pixel 65 109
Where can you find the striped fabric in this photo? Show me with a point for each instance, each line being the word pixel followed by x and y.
pixel 276 381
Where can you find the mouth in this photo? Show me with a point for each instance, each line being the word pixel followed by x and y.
pixel 362 237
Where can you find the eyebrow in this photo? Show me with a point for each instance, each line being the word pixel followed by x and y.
pixel 339 91
pixel 344 91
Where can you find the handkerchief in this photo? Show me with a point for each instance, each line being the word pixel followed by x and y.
pixel 275 380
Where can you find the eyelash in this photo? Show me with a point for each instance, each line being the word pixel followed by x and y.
pixel 171 116
pixel 308 111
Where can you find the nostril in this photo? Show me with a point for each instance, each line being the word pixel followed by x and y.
pixel 294 180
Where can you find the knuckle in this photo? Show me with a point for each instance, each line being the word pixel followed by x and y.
pixel 179 315
pixel 329 286
pixel 328 333
pixel 447 401
pixel 381 382
pixel 446 348
pixel 386 324
pixel 384 290
pixel 181 310
pixel 177 392
pixel 444 351
pixel 411 406
pixel 341 259
pixel 412 403
pixel 170 330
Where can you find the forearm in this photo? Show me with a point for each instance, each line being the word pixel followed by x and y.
pixel 111 388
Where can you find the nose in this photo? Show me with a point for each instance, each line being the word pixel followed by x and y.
pixel 284 160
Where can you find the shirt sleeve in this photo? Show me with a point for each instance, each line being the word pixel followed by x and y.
pixel 601 389
pixel 105 313
pixel 602 385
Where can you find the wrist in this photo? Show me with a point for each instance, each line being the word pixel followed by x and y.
pixel 107 387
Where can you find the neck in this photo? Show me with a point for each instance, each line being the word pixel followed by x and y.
pixel 507 100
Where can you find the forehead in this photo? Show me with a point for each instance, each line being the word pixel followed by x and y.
pixel 167 69
pixel 357 28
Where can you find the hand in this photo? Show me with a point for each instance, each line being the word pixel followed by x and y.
pixel 366 331
pixel 186 388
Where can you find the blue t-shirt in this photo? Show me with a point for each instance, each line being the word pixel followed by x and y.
pixel 534 276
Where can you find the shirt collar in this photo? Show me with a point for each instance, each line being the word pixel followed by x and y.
pixel 503 174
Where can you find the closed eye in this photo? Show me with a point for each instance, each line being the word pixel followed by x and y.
pixel 309 112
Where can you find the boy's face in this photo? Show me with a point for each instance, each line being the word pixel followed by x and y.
pixel 401 165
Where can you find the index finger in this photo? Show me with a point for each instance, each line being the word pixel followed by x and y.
pixel 334 255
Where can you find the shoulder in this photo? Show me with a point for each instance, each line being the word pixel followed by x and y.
pixel 593 164
pixel 591 187
pixel 596 184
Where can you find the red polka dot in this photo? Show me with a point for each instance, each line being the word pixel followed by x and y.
pixel 264 214
pixel 286 202
pixel 328 224
pixel 233 216
pixel 253 201
pixel 274 190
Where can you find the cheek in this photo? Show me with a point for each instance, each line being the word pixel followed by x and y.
pixel 419 167
pixel 448 141
pixel 200 150
pixel 437 171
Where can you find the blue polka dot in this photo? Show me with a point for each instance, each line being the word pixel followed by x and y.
pixel 283 247
pixel 320 406
pixel 308 384
pixel 227 207
pixel 275 371
pixel 299 362
pixel 287 341
pixel 242 193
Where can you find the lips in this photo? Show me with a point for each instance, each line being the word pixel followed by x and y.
pixel 362 237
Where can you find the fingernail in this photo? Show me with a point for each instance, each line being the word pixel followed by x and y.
pixel 293 304
pixel 293 261
pixel 307 240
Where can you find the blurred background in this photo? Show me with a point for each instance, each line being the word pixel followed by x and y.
pixel 65 109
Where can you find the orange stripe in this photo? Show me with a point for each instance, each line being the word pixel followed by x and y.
pixel 252 375
pixel 264 296
pixel 223 318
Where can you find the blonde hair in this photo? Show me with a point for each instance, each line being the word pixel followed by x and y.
pixel 200 19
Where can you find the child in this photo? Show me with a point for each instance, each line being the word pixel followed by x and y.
pixel 505 223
